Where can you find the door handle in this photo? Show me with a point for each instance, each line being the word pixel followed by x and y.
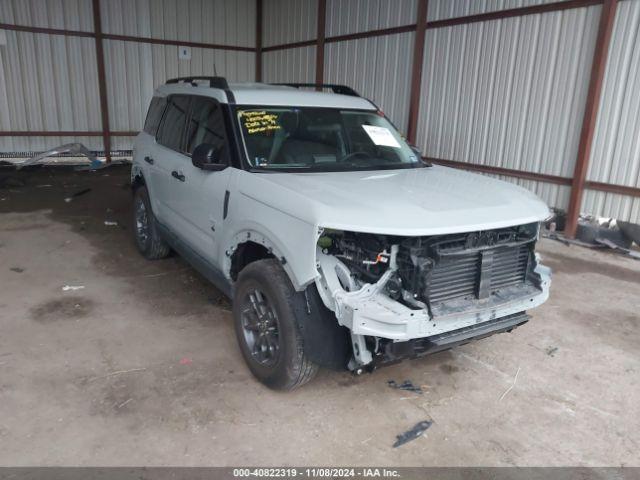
pixel 149 160
pixel 177 175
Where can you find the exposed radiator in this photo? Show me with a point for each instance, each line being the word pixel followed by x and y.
pixel 477 274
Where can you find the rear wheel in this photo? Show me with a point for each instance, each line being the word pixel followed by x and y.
pixel 266 327
pixel 148 240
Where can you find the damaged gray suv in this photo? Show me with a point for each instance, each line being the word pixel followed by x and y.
pixel 338 245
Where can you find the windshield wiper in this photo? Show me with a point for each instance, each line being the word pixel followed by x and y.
pixel 336 167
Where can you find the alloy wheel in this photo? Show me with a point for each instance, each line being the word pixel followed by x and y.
pixel 260 328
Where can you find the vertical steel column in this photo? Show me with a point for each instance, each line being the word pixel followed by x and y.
pixel 322 16
pixel 598 67
pixel 258 40
pixel 102 81
pixel 416 71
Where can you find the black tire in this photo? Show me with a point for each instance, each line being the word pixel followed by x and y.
pixel 285 367
pixel 148 240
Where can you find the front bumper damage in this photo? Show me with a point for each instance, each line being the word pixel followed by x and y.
pixel 369 312
pixel 393 351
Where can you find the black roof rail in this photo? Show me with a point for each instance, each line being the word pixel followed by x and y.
pixel 340 89
pixel 214 82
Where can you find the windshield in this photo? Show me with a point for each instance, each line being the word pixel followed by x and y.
pixel 322 139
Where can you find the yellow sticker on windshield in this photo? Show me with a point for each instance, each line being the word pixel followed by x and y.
pixel 259 121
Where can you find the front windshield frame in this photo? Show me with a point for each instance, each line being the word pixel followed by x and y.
pixel 247 164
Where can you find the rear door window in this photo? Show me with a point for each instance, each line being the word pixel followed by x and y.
pixel 170 132
pixel 206 125
pixel 154 115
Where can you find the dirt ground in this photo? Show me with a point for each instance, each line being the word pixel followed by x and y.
pixel 141 367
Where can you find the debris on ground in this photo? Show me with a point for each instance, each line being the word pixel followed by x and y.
pixel 412 434
pixel 185 361
pixel 593 230
pixel 608 243
pixel 72 288
pixel 77 194
pixel 557 221
pixel 110 223
pixel 600 232
pixel 118 407
pixel 407 385
pixel 17 269
pixel 569 241
pixel 515 379
pixel 556 237
pixel 119 372
pixel 551 351
pixel 630 230
pixel 68 148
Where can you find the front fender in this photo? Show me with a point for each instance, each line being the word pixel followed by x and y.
pixel 290 239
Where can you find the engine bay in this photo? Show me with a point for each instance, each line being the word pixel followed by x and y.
pixel 434 269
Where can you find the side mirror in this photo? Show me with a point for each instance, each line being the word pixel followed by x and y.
pixel 205 157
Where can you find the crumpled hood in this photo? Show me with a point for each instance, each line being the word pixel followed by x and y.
pixel 420 201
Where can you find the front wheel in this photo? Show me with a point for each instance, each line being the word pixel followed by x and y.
pixel 266 327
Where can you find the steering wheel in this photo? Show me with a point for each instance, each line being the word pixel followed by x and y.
pixel 354 155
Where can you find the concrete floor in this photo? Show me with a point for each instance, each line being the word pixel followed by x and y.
pixel 141 367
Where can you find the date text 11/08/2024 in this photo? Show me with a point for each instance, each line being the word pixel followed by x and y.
pixel 316 472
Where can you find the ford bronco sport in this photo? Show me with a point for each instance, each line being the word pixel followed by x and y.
pixel 338 245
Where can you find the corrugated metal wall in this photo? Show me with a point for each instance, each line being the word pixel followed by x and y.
pixel 507 93
pixel 379 68
pixel 510 93
pixel 376 67
pixel 290 65
pixel 443 9
pixel 49 82
pixel 353 16
pixel 287 21
pixel 207 21
pixel 64 14
pixel 615 154
pixel 135 69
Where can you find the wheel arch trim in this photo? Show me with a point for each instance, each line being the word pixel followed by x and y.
pixel 257 234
